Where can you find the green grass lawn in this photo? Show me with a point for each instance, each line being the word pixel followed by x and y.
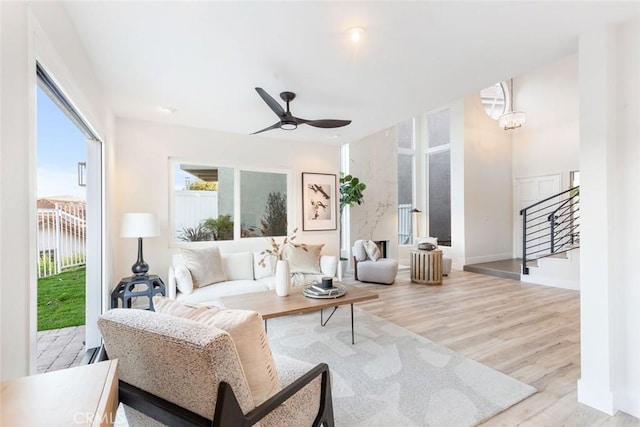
pixel 61 300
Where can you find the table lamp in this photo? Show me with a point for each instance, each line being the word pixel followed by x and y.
pixel 139 224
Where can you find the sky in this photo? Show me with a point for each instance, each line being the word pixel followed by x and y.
pixel 61 146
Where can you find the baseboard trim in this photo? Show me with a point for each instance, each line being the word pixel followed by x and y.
pixel 629 402
pixel 550 281
pixel 597 398
pixel 487 258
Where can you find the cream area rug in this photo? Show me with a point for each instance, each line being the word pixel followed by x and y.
pixel 393 377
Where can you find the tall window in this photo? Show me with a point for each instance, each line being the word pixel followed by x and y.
pixel 438 165
pixel 345 240
pixel 406 154
pixel 69 216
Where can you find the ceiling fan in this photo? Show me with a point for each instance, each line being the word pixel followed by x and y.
pixel 287 120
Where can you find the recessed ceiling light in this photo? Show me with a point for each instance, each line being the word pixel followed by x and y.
pixel 355 34
pixel 166 110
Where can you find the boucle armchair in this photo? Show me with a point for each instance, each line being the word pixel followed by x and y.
pixel 176 371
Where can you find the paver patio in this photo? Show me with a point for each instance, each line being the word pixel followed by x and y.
pixel 60 348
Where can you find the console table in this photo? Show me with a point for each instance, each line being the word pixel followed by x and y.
pixel 86 395
pixel 426 267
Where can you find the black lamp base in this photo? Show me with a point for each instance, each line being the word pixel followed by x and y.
pixel 140 268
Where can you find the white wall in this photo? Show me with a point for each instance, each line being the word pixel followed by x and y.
pixel 374 161
pixel 16 286
pixel 142 180
pixel 549 142
pixel 31 31
pixel 627 234
pixel 609 68
pixel 487 186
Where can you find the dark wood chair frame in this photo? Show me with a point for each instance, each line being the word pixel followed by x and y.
pixel 227 410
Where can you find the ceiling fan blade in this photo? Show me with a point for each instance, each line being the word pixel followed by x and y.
pixel 273 126
pixel 328 123
pixel 272 103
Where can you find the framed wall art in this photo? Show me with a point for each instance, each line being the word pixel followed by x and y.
pixel 319 201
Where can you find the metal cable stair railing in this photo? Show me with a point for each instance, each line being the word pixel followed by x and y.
pixel 551 226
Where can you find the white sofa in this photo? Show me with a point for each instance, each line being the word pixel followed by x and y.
pixel 244 275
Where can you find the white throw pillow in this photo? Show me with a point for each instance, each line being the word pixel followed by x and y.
pixel 205 265
pixel 263 269
pixel 184 282
pixel 373 252
pixel 238 266
pixel 247 331
pixel 358 250
pixel 304 259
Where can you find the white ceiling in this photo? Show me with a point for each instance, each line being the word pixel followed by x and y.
pixel 204 58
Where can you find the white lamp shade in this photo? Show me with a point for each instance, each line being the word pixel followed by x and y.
pixel 139 224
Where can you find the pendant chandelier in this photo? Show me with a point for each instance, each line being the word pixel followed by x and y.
pixel 512 119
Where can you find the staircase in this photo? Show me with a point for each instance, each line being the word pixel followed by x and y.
pixel 551 233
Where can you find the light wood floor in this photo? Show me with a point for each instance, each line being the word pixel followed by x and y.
pixel 529 332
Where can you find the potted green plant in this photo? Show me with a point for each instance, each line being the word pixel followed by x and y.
pixel 351 189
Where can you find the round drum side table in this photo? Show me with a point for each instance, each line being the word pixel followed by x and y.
pixel 426 267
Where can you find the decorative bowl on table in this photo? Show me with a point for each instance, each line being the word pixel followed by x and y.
pixel 317 291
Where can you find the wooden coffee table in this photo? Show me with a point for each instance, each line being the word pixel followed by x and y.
pixel 269 305
pixel 86 395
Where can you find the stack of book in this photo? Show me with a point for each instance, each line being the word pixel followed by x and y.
pixel 318 291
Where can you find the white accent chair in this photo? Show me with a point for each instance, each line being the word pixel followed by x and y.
pixel 372 269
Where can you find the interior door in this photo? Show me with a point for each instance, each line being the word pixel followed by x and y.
pixel 527 192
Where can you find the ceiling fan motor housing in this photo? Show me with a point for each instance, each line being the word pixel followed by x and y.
pixel 287 124
pixel 287 120
pixel 287 96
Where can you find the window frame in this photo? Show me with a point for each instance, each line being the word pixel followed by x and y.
pixel 428 151
pixel 507 100
pixel 173 162
pixel 411 152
